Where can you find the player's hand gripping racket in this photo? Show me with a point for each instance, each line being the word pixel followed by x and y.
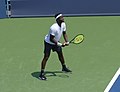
pixel 77 39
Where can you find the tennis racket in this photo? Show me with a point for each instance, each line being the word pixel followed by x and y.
pixel 77 39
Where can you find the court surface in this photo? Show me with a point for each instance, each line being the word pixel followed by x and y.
pixel 93 62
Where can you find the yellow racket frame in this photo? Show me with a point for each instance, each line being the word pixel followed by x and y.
pixel 77 39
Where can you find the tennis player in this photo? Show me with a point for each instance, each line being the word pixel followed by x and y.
pixel 51 42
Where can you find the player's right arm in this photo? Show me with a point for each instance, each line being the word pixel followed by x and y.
pixel 52 39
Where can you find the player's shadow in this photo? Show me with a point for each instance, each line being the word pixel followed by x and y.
pixel 51 74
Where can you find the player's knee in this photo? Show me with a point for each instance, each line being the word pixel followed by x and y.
pixel 46 56
pixel 60 54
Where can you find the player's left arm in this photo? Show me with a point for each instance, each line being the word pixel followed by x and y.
pixel 65 38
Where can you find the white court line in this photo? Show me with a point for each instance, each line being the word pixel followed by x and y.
pixel 112 81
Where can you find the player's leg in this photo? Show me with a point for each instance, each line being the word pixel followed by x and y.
pixel 44 61
pixel 62 60
pixel 43 64
pixel 47 50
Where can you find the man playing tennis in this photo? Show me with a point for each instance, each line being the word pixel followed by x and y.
pixel 51 42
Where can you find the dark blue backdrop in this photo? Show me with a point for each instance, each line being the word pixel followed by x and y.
pixel 2 9
pixel 68 7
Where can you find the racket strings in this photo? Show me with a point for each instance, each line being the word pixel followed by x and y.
pixel 78 39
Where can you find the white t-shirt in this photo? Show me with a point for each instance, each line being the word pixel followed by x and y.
pixel 56 31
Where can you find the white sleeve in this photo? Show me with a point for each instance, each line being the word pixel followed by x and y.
pixel 63 25
pixel 52 31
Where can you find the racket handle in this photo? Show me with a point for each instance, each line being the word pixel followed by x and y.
pixel 70 42
pixel 63 45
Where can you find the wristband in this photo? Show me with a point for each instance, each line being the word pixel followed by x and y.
pixel 59 44
pixel 67 43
